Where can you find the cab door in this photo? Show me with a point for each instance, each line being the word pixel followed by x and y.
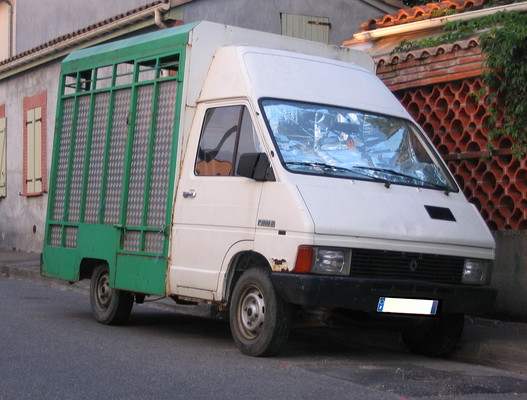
pixel 215 207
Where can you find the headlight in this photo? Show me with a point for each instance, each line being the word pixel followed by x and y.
pixel 477 272
pixel 323 261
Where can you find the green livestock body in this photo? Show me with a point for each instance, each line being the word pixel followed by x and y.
pixel 114 160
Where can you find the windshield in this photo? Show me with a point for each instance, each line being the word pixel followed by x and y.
pixel 346 143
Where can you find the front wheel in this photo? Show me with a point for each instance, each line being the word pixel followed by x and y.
pixel 260 320
pixel 437 338
pixel 109 306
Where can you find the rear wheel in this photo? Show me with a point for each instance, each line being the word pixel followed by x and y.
pixel 260 320
pixel 436 338
pixel 109 306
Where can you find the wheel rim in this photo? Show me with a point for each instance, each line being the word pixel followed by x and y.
pixel 251 312
pixel 103 293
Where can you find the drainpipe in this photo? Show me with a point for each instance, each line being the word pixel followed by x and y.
pixel 9 28
pixel 160 11
pixel 158 15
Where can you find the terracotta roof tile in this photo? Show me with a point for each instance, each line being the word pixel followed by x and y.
pixel 404 16
pixel 421 54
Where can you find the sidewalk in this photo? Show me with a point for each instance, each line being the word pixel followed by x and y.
pixel 484 342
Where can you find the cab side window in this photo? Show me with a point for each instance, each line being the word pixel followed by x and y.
pixel 227 133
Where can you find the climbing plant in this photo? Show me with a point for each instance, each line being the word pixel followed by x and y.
pixel 503 41
pixel 505 47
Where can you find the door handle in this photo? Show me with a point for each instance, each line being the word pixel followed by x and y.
pixel 190 193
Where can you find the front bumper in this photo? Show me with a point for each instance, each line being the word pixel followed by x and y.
pixel 361 294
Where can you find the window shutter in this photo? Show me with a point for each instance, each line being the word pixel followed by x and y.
pixel 3 153
pixel 34 150
pixel 30 151
pixel 38 150
pixel 306 27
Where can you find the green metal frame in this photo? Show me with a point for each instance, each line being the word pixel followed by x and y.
pixel 134 270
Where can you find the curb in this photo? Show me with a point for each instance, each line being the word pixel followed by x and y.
pixel 494 343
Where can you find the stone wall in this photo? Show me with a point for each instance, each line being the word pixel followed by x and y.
pixel 510 275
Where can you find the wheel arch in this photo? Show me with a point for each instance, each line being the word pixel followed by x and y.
pixel 87 266
pixel 240 263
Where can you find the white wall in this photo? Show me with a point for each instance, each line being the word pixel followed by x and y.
pixel 39 21
pixel 345 16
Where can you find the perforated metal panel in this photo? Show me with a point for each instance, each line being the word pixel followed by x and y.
pixel 132 241
pixel 56 235
pixel 71 236
pixel 79 153
pixel 63 160
pixel 154 241
pixel 116 156
pixel 96 163
pixel 140 150
pixel 157 202
pixel 156 213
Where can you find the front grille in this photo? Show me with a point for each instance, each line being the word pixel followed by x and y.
pixel 409 266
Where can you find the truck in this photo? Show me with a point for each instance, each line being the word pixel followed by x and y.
pixel 271 178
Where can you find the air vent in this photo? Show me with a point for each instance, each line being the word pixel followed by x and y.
pixel 441 213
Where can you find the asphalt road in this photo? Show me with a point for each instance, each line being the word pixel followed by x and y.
pixel 51 348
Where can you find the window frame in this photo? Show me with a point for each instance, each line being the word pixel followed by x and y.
pixel 243 111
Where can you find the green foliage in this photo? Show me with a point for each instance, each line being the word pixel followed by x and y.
pixel 503 40
pixel 505 76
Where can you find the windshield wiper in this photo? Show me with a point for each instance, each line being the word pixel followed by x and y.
pixel 337 168
pixel 402 175
pixel 318 164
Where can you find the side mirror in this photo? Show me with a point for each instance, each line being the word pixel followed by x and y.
pixel 255 166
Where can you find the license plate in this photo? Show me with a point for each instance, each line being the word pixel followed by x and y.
pixel 407 306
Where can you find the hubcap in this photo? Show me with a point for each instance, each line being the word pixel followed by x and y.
pixel 252 312
pixel 104 292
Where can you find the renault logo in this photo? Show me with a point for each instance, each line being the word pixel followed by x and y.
pixel 413 265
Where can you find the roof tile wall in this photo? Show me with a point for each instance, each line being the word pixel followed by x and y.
pixel 459 60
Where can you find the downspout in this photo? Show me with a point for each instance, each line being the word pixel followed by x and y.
pixel 9 28
pixel 158 15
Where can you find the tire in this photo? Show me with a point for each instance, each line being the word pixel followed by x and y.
pixel 435 339
pixel 260 320
pixel 109 306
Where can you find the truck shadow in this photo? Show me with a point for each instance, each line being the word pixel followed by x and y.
pixel 319 341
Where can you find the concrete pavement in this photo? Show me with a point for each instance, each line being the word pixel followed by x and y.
pixel 485 342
